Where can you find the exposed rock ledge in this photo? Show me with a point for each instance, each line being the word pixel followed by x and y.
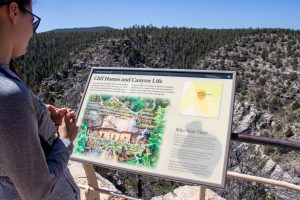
pixel 188 193
pixel 79 175
pixel 181 193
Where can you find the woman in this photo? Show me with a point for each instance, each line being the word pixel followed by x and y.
pixel 33 152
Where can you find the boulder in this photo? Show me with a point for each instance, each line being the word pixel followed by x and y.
pixel 246 122
pixel 269 167
pixel 264 121
pixel 277 173
pixel 188 193
pixel 238 113
pixel 79 176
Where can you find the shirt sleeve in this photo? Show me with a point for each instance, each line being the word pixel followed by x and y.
pixel 22 157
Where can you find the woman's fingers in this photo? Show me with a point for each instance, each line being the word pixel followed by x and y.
pixel 71 117
pixel 68 129
pixel 61 111
pixel 57 114
pixel 71 113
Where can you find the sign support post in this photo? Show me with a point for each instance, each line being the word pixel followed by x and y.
pixel 92 182
pixel 202 192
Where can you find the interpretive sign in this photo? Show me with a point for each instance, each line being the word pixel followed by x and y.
pixel 174 124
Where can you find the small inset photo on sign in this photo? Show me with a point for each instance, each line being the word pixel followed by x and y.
pixel 201 99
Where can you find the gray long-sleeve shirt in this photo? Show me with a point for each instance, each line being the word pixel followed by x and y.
pixel 28 169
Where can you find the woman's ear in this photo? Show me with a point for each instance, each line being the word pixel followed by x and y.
pixel 14 12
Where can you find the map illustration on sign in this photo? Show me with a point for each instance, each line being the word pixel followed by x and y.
pixel 201 99
pixel 124 129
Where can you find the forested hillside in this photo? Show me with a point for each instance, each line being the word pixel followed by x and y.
pixel 49 52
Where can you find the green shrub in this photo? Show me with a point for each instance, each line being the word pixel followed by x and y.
pixel 288 133
pixel 268 150
pixel 282 150
pixel 278 127
pixel 296 105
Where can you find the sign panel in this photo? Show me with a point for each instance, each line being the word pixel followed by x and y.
pixel 174 124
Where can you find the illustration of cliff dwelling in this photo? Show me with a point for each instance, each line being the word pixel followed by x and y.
pixel 118 127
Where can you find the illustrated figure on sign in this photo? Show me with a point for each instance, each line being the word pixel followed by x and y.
pixel 142 136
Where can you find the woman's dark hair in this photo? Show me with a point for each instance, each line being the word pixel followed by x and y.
pixel 22 4
pixel 16 69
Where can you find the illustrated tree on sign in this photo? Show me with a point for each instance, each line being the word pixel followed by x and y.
pixel 81 138
pixel 151 153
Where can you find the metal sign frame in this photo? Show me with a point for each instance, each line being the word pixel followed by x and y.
pixel 202 74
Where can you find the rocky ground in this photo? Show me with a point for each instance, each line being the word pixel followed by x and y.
pixel 181 193
pixel 268 91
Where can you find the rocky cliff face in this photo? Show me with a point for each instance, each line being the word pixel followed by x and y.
pixel 267 103
pixel 268 68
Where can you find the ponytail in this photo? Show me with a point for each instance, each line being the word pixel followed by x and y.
pixel 16 69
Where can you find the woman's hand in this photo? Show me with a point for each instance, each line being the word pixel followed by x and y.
pixel 65 120
pixel 56 114
pixel 68 128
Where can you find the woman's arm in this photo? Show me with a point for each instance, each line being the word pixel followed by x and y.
pixel 22 157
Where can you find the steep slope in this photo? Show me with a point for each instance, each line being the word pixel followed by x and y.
pixel 267 104
pixel 268 69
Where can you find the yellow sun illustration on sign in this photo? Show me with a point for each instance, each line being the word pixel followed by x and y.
pixel 201 99
pixel 201 94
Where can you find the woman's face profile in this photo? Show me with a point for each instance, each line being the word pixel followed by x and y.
pixel 23 31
